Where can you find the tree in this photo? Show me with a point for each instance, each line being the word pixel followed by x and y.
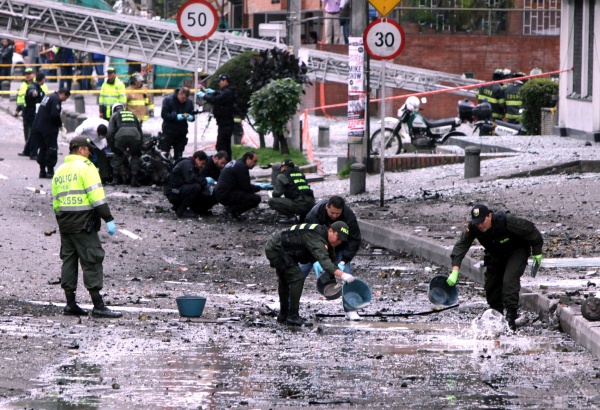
pixel 272 107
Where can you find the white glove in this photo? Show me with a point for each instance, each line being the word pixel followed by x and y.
pixel 346 277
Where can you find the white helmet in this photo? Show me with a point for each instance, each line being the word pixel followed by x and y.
pixel 117 107
pixel 413 103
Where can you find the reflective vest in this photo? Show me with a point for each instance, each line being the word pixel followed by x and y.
pixel 513 101
pixel 111 94
pixel 298 184
pixel 493 94
pixel 139 101
pixel 76 186
pixel 21 95
pixel 291 240
pixel 125 119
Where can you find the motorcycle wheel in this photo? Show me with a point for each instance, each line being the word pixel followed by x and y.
pixel 393 142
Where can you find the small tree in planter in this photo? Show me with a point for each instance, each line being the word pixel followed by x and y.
pixel 536 94
pixel 272 107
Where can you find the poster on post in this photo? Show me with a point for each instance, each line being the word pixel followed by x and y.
pixel 356 91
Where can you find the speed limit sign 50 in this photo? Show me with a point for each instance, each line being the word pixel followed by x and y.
pixel 197 20
pixel 384 39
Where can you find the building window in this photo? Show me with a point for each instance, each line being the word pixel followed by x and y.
pixel 589 73
pixel 577 48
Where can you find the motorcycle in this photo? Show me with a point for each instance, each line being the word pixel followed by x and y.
pixel 411 125
pixel 155 167
pixel 480 116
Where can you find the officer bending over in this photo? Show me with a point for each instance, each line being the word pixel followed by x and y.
pixel 292 195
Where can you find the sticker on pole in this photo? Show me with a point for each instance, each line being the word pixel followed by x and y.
pixel 197 20
pixel 384 39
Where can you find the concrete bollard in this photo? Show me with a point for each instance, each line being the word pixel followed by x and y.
pixel 80 119
pixel 472 161
pixel 323 139
pixel 275 170
pixel 71 121
pixel 79 104
pixel 358 178
pixel 75 86
pixel 5 87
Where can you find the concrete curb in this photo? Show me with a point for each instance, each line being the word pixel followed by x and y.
pixel 585 333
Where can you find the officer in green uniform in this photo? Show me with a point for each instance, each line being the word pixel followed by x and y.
pixel 508 241
pixel 292 195
pixel 125 134
pixel 304 243
pixel 79 204
pixel 494 94
pixel 21 99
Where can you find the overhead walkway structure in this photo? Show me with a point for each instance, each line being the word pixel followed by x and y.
pixel 161 43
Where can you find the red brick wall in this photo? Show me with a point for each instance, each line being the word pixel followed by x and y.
pixel 452 54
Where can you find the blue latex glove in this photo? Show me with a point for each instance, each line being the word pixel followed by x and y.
pixel 341 266
pixel 265 186
pixel 200 94
pixel 318 269
pixel 180 117
pixel 209 91
pixel 210 181
pixel 191 118
pixel 112 228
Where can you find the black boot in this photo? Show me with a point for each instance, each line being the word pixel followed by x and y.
pixel 294 318
pixel 134 181
pixel 43 173
pixel 50 173
pixel 115 180
pixel 72 309
pixel 511 317
pixel 100 309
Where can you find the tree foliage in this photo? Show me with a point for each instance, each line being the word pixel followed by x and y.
pixel 536 94
pixel 276 64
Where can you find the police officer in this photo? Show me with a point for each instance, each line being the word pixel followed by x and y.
pixel 21 100
pixel 234 189
pixel 291 194
pixel 79 204
pixel 34 96
pixel 139 99
pixel 224 110
pixel 187 190
pixel 508 241
pixel 125 132
pixel 304 244
pixel 327 213
pixel 177 110
pixel 214 165
pixel 45 129
pixel 494 94
pixel 111 93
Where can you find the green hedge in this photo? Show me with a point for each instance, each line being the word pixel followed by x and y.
pixel 537 94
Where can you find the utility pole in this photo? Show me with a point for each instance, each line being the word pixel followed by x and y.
pixel 294 32
pixel 359 19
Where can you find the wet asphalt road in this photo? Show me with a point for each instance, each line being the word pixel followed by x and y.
pixel 151 359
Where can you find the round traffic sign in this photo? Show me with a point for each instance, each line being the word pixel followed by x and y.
pixel 384 39
pixel 197 20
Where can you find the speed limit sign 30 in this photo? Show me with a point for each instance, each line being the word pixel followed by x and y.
pixel 384 39
pixel 197 20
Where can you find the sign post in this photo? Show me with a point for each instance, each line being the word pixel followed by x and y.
pixel 384 40
pixel 197 20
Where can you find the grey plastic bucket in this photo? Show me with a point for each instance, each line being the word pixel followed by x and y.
pixel 328 287
pixel 190 306
pixel 440 293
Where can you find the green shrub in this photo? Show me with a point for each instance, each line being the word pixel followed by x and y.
pixel 240 71
pixel 537 94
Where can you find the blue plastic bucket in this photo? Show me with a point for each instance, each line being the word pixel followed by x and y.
pixel 440 293
pixel 356 295
pixel 190 306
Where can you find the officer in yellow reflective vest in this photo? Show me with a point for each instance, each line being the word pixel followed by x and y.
pixel 79 205
pixel 112 92
pixel 21 99
pixel 139 99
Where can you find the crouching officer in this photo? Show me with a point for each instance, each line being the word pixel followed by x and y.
pixel 125 132
pixel 508 241
pixel 79 204
pixel 186 190
pixel 304 243
pixel 292 195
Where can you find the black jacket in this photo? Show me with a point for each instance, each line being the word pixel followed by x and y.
pixel 235 177
pixel 170 108
pixel 224 104
pixel 319 215
pixel 34 95
pixel 210 170
pixel 507 234
pixel 184 173
pixel 47 120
